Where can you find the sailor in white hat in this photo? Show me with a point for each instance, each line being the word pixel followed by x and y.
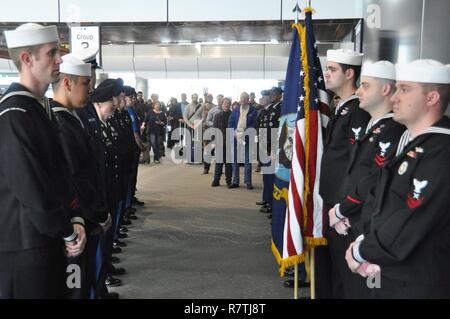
pixel 406 220
pixel 347 124
pixel 71 93
pixel 377 143
pixel 34 50
pixel 89 56
pixel 36 219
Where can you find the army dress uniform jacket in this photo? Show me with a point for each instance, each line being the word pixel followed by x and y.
pixel 34 192
pixel 120 125
pixel 106 154
pixel 82 166
pixel 368 155
pixel 270 118
pixel 345 127
pixel 407 219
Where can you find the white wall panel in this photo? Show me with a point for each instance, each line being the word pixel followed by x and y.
pixel 151 75
pixel 211 64
pixel 275 63
pixel 182 75
pixel 229 10
pixel 113 11
pixel 214 74
pixel 117 64
pixel 276 75
pixel 247 74
pixel 247 63
pixel 143 63
pixel 182 65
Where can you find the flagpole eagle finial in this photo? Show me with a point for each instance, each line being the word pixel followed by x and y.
pixel 298 11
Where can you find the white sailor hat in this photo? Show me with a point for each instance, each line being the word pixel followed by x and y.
pixel 74 66
pixel 423 71
pixel 30 34
pixel 86 55
pixel 345 56
pixel 379 69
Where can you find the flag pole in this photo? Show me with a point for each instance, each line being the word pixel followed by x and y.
pixel 312 263
pixel 313 274
pixel 297 11
pixel 296 281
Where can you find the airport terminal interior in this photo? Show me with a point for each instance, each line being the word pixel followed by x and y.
pixel 158 213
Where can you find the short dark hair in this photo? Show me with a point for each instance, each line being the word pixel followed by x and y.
pixel 442 89
pixel 74 78
pixel 356 69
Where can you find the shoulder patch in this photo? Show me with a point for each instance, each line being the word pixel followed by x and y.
pixel 416 199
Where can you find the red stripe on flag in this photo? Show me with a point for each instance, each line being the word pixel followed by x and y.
pixel 290 244
pixel 312 160
pixel 299 150
pixel 297 202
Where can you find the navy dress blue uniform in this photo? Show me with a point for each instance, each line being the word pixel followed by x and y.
pixel 136 151
pixel 34 199
pixel 120 124
pixel 406 220
pixel 369 154
pixel 85 179
pixel 346 126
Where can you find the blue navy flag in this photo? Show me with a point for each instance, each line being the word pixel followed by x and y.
pixel 297 206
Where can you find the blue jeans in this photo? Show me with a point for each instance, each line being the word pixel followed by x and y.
pixel 154 140
pixel 247 166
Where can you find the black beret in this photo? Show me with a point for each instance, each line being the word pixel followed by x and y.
pixel 276 89
pixel 117 83
pixel 103 93
pixel 129 91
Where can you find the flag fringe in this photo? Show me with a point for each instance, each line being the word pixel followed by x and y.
pixel 310 243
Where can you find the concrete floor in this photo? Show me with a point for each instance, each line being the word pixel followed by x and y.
pixel 195 241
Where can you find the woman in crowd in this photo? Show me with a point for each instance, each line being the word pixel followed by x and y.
pixel 155 126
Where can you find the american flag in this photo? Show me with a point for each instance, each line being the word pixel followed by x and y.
pixel 297 207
